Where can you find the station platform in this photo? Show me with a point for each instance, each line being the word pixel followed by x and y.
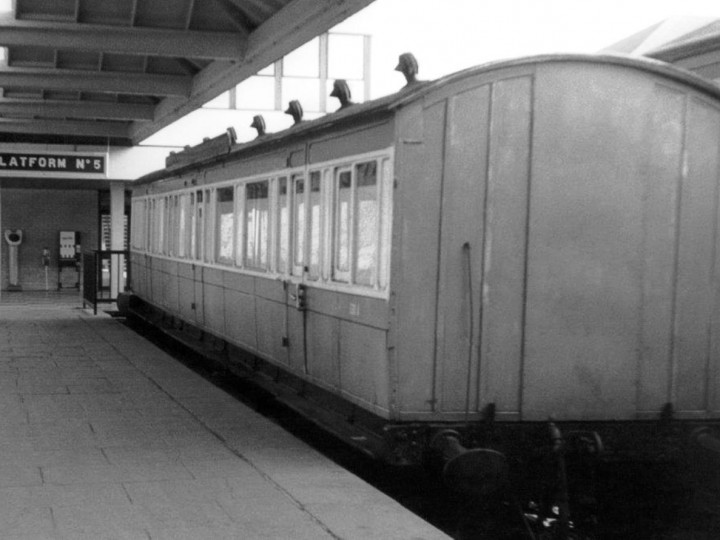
pixel 104 436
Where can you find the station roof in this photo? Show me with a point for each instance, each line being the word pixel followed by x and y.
pixel 692 43
pixel 697 51
pixel 116 71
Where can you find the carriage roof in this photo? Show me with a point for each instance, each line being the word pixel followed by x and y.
pixel 384 106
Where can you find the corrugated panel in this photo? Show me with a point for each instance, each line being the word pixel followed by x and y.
pixel 323 344
pixel 123 62
pixel 112 12
pixel 418 162
pixel 665 143
pixel 199 296
pixel 78 60
pixel 60 10
pixel 363 364
pixel 461 247
pixel 506 217
pixel 174 66
pixel 31 57
pixel 484 230
pixel 163 14
pixel 209 19
pixel 585 234
pixel 271 329
pixel 696 275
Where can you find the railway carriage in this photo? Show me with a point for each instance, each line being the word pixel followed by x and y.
pixel 519 241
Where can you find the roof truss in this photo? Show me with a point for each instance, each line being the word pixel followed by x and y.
pixel 123 40
pixel 120 70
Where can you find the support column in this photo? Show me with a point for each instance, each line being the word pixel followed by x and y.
pixel 117 237
pixel 1 258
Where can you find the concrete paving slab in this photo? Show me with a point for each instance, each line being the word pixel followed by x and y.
pixel 35 522
pixel 106 437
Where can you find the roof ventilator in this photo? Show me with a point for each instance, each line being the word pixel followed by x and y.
pixel 295 110
pixel 341 90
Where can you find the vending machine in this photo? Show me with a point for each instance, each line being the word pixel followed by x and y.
pixel 69 256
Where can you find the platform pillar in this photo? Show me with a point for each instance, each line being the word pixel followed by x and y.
pixel 117 237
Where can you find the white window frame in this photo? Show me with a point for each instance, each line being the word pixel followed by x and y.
pixel 204 233
pixel 240 225
pixel 315 274
pixel 230 260
pixel 295 268
pixel 209 231
pixel 276 242
pixel 268 238
pixel 337 274
pixel 378 238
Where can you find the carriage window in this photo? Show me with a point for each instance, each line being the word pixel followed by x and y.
pixel 150 241
pixel 174 225
pixel 299 222
pixel 343 204
pixel 151 224
pixel 138 224
pixel 182 224
pixel 171 230
pixel 191 232
pixel 225 224
pixel 198 227
pixel 142 218
pixel 209 227
pixel 315 224
pixel 326 223
pixel 283 239
pixel 135 223
pixel 160 231
pixel 366 210
pixel 167 211
pixel 356 224
pixel 256 224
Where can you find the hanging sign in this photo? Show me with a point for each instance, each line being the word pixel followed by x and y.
pixel 55 164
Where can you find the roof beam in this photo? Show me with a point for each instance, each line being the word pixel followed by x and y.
pixel 236 16
pixel 123 40
pixel 96 81
pixel 78 109
pixel 292 26
pixel 254 11
pixel 114 130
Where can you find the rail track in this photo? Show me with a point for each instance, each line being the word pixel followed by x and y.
pixel 628 500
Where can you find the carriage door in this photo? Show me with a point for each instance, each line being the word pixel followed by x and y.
pixel 198 252
pixel 294 211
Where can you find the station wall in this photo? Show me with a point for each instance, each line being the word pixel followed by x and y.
pixel 42 214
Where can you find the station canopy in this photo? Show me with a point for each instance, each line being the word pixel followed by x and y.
pixel 116 71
